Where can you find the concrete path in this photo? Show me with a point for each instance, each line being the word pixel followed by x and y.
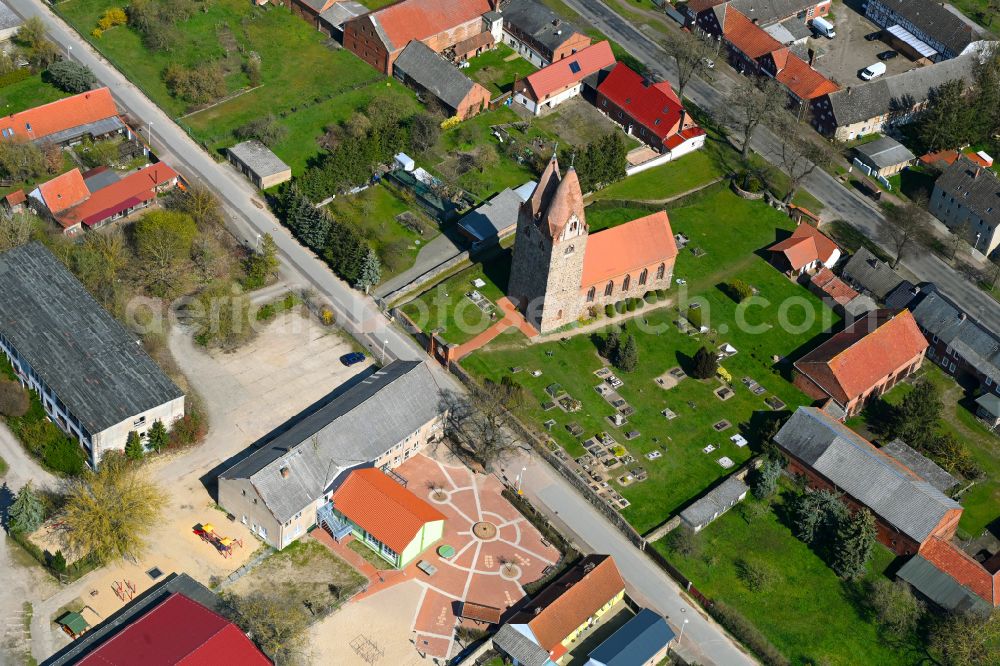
pixel 511 317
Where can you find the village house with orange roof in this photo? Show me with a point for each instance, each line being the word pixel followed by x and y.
pixel 807 250
pixel 559 269
pixel 91 114
pixel 862 362
pixel 562 80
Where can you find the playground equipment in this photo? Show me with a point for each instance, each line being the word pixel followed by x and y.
pixel 124 589
pixel 223 544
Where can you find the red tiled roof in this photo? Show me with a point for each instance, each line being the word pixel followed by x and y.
pixel 628 248
pixel 570 70
pixel 834 287
pixel 804 81
pixel 656 107
pixel 806 245
pixel 966 571
pixel 16 197
pixel 750 39
pixel 64 191
pixel 135 187
pixel 63 114
pixel 569 601
pixel 421 19
pixel 383 508
pixel 178 631
pixel 684 135
pixel 946 158
pixel 853 361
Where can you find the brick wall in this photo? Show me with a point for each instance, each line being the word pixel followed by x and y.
pixel 361 39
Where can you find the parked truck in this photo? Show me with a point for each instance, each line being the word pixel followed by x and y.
pixel 823 27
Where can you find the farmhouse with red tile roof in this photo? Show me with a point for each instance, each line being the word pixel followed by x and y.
pixel 551 86
pixel 559 269
pixel 380 36
pixel 806 250
pixel 387 517
pixel 68 200
pixel 652 112
pixel 92 114
pixel 952 578
pixel 863 361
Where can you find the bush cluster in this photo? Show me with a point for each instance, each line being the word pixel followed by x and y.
pixel 748 634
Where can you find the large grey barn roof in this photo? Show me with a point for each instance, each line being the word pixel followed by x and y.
pixel 432 72
pixel 923 466
pixel 96 368
pixel 899 93
pixel 974 187
pixel 871 274
pixel 495 216
pixel 520 647
pixel 533 18
pixel 770 11
pixel 932 17
pixel 350 431
pixel 903 500
pixel 258 157
pixel 978 345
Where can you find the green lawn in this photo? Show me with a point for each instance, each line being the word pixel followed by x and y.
pixel 662 182
pixel 305 83
pixel 28 93
pixel 497 69
pixel 446 308
pixel 982 501
pixel 808 613
pixel 373 213
pixel 683 471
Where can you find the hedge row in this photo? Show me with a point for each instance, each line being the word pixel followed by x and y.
pixel 746 633
pixel 13 77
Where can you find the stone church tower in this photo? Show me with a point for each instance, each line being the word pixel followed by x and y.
pixel 547 268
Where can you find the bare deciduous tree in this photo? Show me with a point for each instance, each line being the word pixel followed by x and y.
pixel 690 54
pixel 751 104
pixel 16 229
pixel 799 156
pixel 905 227
pixel 477 421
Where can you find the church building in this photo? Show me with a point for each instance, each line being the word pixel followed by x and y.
pixel 559 269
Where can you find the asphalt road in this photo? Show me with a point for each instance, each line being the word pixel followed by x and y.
pixel 840 202
pixel 248 214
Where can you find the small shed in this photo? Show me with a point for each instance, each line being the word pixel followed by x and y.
pixel 259 164
pixel 405 162
pixel 988 409
pixel 714 503
pixel 885 157
pixel 73 624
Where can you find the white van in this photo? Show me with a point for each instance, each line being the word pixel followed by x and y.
pixel 873 71
pixel 823 27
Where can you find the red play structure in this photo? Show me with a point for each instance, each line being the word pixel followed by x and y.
pixel 222 544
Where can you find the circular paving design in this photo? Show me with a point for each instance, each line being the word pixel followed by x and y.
pixel 510 571
pixel 439 496
pixel 485 531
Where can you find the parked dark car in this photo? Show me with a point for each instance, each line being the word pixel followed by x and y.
pixel 872 36
pixel 352 359
pixel 888 55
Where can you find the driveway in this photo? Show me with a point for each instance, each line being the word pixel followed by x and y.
pixel 842 57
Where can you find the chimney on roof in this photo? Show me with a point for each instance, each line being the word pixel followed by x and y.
pixel 680 127
pixel 755 20
pixel 962 316
pixel 812 56
pixel 285 472
pixel 588 567
pixel 975 173
pixel 850 89
pixel 556 22
pixel 538 610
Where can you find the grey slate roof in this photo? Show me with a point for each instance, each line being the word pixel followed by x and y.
pixel 974 187
pixel 352 430
pixel 341 12
pixel 636 642
pixel 432 72
pixel 990 403
pixel 932 17
pixel 97 368
pixel 859 305
pixel 96 128
pixel 885 152
pixel 924 467
pixel 8 19
pixel 770 11
pixel 258 157
pixel 147 601
pixel 518 646
pixel 899 93
pixel 715 501
pixel 494 217
pixel 533 18
pixel 940 317
pixel 867 272
pixel 901 296
pixel 939 587
pixel 911 505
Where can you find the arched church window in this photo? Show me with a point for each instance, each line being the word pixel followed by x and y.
pixel 626 283
pixel 642 277
pixel 609 288
pixel 661 271
pixel 591 293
